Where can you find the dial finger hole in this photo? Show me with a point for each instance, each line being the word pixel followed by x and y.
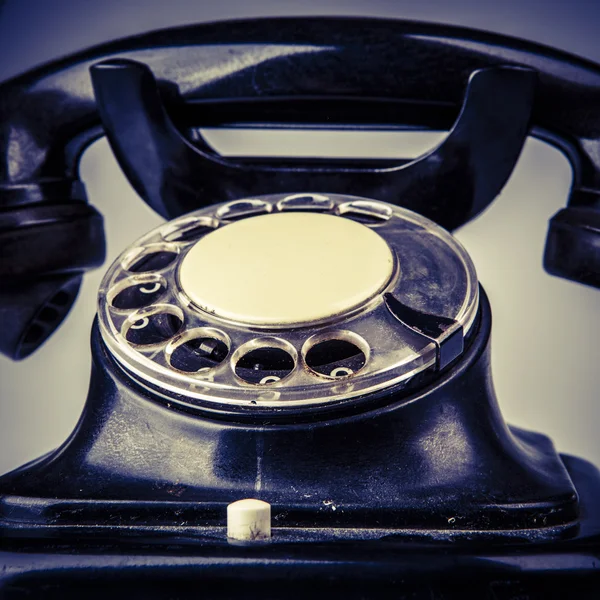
pixel 302 202
pixel 151 258
pixel 137 293
pixel 152 329
pixel 198 350
pixel 337 357
pixel 264 365
pixel 241 209
pixel 365 212
pixel 189 230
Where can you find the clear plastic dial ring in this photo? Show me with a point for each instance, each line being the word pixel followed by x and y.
pixel 278 301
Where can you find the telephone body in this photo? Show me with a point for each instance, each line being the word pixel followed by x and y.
pixel 363 409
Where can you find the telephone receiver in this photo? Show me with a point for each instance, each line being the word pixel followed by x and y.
pixel 151 95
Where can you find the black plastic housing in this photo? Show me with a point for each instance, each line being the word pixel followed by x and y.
pixel 573 245
pixel 435 463
pixel 424 493
pixel 299 72
pixel 489 91
pixel 435 473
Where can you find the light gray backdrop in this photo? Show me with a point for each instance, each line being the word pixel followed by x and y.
pixel 545 357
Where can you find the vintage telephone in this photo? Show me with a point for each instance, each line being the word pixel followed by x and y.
pixel 303 333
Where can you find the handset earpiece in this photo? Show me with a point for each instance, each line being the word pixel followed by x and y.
pixel 47 242
pixel 573 245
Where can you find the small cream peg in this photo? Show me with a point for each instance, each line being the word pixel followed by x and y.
pixel 249 520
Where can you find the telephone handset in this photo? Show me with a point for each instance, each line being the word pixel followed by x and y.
pixel 353 396
pixel 273 71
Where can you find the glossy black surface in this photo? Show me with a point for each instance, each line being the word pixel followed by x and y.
pixel 391 493
pixel 450 185
pixel 406 487
pixel 44 249
pixel 152 93
pixel 439 458
pixel 188 567
pixel 31 310
pixel 573 245
pixel 354 72
pixel 219 68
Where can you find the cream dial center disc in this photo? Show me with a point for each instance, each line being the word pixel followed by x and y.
pixel 285 269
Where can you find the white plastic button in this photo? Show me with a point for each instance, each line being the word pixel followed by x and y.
pixel 249 520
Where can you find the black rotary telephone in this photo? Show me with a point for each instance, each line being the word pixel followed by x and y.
pixel 290 387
